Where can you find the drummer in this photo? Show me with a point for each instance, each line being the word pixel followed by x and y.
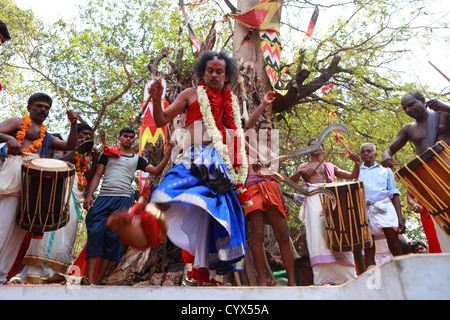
pixel 429 127
pixel 328 267
pixel 384 212
pixel 24 135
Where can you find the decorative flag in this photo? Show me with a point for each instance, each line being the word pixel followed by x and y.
pixel 248 36
pixel 193 39
pixel 183 9
pixel 311 26
pixel 327 90
pixel 260 16
pixel 271 48
pixel 198 2
pixel 195 43
pixel 150 133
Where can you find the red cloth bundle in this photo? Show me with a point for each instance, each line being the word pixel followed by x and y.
pixel 154 226
pixel 111 151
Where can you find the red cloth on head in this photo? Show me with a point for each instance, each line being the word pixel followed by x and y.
pixel 111 151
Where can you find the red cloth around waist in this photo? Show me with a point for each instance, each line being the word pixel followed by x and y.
pixel 193 113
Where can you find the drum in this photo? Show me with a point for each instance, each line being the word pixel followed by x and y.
pixel 427 178
pixel 45 194
pixel 346 224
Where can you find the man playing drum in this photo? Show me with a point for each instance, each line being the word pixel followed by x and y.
pixel 429 127
pixel 383 203
pixel 25 136
pixel 328 267
pixel 53 253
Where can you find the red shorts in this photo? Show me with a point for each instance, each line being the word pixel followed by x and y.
pixel 265 195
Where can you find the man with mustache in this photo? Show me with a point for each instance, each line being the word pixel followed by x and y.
pixel 56 246
pixel 25 136
pixel 202 195
pixel 429 127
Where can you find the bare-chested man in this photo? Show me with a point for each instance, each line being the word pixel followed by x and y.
pixel 328 267
pixel 428 128
pixel 419 132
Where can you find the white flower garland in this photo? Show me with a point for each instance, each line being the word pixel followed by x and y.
pixel 216 136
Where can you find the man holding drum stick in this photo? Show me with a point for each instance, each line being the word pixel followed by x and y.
pixel 26 138
pixel 429 127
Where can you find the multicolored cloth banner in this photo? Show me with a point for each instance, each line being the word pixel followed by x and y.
pixel 149 133
pixel 271 48
pixel 260 18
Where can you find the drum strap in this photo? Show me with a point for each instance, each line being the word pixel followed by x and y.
pixel 432 128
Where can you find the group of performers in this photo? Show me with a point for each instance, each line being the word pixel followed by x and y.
pixel 223 178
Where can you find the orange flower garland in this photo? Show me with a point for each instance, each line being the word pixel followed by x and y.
pixel 20 137
pixel 82 182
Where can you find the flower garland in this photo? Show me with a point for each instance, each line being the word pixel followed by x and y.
pixel 212 119
pixel 20 137
pixel 82 182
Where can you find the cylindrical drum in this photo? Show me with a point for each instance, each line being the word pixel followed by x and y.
pixel 346 224
pixel 427 178
pixel 45 194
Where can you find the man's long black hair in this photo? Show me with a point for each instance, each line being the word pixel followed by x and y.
pixel 231 69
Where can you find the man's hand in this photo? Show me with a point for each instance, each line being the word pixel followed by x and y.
pixel 437 106
pixel 14 147
pixel 88 202
pixel 156 90
pixel 269 97
pixel 354 157
pixel 73 116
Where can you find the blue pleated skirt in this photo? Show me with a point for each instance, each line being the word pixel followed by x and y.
pixel 205 217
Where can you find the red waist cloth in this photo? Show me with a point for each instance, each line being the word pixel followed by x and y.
pixel 193 113
pixel 265 195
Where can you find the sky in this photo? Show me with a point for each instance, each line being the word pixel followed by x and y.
pixel 415 65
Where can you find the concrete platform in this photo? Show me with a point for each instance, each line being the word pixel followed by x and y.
pixel 422 277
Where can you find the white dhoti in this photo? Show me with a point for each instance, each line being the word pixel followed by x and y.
pixel 443 237
pixel 11 236
pixel 53 253
pixel 328 267
pixel 381 214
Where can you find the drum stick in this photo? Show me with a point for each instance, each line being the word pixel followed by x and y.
pixel 323 159
pixel 65 105
pixel 424 90
pixel 448 79
pixel 342 142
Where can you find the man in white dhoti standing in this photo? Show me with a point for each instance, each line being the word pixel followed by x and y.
pixel 328 267
pixel 27 136
pixel 53 253
pixel 383 204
